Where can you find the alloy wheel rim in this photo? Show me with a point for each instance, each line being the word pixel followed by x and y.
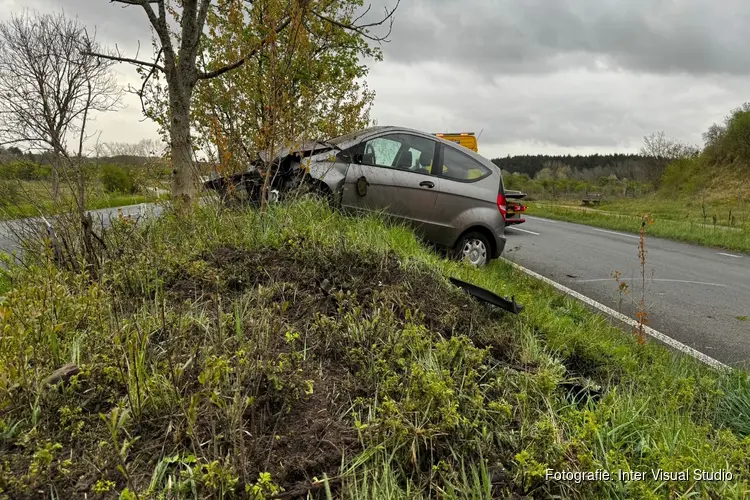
pixel 475 251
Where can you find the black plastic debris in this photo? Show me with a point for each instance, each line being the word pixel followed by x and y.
pixel 489 297
pixel 581 391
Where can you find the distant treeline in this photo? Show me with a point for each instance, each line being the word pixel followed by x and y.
pixel 46 158
pixel 531 165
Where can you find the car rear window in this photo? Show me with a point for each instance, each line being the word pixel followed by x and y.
pixel 461 167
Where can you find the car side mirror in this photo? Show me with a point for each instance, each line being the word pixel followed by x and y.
pixel 357 159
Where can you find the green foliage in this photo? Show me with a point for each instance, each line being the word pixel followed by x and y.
pixel 117 180
pixel 734 408
pixel 25 170
pixel 550 188
pixel 214 364
pixel 5 283
pixel 531 165
pixel 736 138
pixel 8 193
pixel 306 85
pixel 684 176
pixel 730 143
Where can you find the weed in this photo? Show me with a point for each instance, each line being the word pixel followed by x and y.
pixel 623 288
pixel 5 283
pixel 734 408
pixel 642 313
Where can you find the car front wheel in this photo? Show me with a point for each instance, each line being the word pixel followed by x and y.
pixel 474 248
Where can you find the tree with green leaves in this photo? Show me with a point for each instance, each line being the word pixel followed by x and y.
pixel 304 84
pixel 179 57
pixel 730 142
pixel 661 150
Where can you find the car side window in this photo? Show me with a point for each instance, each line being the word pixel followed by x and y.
pixel 417 154
pixel 461 167
pixel 381 151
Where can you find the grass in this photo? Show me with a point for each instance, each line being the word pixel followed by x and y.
pixel 48 208
pixel 39 192
pixel 681 220
pixel 227 355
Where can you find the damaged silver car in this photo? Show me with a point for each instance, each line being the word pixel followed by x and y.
pixel 460 206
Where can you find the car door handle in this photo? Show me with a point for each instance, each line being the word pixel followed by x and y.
pixel 428 184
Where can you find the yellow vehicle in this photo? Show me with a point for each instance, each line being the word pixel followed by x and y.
pixel 466 139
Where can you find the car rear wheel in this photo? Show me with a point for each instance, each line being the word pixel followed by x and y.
pixel 474 248
pixel 316 191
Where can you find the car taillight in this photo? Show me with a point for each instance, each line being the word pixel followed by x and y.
pixel 501 205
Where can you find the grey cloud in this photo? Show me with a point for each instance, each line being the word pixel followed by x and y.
pixel 506 66
pixel 562 111
pixel 115 24
pixel 537 36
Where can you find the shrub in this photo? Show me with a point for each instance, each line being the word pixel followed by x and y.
pixel 117 180
pixel 683 176
pixel 8 193
pixel 25 170
pixel 736 139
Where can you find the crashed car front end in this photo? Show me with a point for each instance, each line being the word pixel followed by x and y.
pixel 306 165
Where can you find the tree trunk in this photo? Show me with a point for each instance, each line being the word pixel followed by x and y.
pixel 183 167
pixel 55 178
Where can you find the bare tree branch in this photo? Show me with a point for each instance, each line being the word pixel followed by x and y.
pixel 134 2
pixel 125 60
pixel 145 81
pixel 362 29
pixel 369 6
pixel 44 75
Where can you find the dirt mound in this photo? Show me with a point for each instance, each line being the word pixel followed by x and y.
pixel 326 282
pixel 298 439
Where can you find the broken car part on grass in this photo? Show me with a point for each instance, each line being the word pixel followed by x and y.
pixel 486 296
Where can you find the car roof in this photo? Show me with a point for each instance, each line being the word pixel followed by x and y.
pixel 378 129
pixel 453 145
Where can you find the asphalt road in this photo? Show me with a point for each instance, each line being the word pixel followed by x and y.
pixel 696 295
pixel 9 244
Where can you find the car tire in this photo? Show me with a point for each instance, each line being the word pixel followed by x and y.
pixel 474 248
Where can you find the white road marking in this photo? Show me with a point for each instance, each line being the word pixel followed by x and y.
pixel 592 228
pixel 618 234
pixel 629 321
pixel 523 230
pixel 657 279
pixel 534 217
pixel 595 279
pixel 730 255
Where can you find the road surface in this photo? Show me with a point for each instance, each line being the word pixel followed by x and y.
pixel 697 295
pixel 8 229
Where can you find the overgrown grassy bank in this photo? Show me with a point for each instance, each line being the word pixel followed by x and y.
pixel 225 355
pixel 675 220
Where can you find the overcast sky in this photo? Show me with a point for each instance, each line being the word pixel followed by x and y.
pixel 534 76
